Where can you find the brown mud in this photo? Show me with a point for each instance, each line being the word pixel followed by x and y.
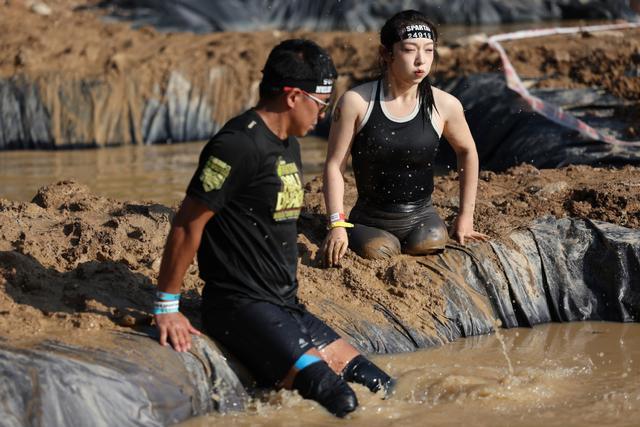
pixel 72 262
pixel 127 66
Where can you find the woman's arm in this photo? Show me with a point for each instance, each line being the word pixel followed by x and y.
pixel 456 131
pixel 345 119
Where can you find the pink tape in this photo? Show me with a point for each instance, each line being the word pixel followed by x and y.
pixel 552 112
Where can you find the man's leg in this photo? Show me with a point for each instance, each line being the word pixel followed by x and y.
pixel 354 367
pixel 312 377
pixel 343 358
pixel 274 344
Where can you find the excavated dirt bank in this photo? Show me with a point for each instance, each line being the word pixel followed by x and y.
pixel 73 43
pixel 72 262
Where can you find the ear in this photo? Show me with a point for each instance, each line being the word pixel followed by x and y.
pixel 290 99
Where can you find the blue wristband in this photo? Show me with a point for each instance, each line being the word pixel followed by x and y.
pixel 165 296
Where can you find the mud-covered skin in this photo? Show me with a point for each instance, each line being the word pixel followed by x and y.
pixel 378 234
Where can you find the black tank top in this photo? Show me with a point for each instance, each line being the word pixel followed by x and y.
pixel 393 159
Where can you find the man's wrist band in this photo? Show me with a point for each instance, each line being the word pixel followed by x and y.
pixel 166 303
pixel 164 307
pixel 165 296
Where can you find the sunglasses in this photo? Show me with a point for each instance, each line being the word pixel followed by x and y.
pixel 323 106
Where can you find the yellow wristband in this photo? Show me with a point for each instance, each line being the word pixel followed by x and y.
pixel 337 224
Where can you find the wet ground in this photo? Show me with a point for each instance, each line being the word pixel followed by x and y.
pixel 553 375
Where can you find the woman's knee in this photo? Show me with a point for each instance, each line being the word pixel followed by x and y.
pixel 426 240
pixel 373 243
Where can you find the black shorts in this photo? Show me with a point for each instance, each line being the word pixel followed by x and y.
pixel 267 338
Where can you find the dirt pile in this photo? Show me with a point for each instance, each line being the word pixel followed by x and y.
pixel 74 43
pixel 73 261
pixel 604 59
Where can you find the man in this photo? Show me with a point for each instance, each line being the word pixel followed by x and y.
pixel 240 216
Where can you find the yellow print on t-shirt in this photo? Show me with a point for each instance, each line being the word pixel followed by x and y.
pixel 214 173
pixel 291 195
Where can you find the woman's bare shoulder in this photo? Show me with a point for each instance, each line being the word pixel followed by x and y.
pixel 360 94
pixel 446 103
pixel 357 99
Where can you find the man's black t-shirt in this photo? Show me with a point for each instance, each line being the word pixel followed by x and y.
pixel 252 180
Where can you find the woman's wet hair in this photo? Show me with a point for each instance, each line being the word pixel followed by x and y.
pixel 392 32
pixel 298 63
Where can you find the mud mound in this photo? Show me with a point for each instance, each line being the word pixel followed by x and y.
pixel 75 261
pixel 562 61
pixel 506 203
pixel 510 200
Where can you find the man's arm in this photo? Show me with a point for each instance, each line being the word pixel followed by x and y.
pixel 182 243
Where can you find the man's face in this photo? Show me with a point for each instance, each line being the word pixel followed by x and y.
pixel 308 109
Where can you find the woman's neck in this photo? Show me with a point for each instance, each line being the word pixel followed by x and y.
pixel 397 89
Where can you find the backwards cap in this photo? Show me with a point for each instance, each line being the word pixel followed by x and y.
pixel 302 64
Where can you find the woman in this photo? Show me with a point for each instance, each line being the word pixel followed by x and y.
pixel 392 127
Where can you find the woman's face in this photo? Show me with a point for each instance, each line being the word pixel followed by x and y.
pixel 411 59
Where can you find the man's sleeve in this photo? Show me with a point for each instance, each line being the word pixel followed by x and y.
pixel 228 163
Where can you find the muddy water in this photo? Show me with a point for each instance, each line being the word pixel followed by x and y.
pixel 154 172
pixel 568 374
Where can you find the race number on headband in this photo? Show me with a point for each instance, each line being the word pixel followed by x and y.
pixel 417 31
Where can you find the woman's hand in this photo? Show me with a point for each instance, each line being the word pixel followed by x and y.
pixel 177 328
pixel 334 246
pixel 463 229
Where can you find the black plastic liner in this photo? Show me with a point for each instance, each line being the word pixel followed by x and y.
pixel 350 15
pixel 174 113
pixel 505 130
pixel 134 382
pixel 555 270
pixel 508 133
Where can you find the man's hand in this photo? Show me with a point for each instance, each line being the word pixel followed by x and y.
pixel 177 328
pixel 334 246
pixel 463 229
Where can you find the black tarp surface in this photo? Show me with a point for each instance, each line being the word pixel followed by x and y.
pixel 133 382
pixel 507 132
pixel 350 15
